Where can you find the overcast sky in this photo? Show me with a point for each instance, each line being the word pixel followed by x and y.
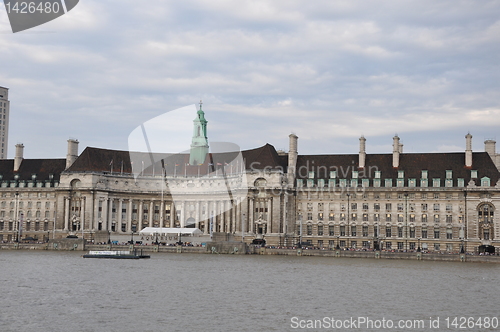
pixel 328 71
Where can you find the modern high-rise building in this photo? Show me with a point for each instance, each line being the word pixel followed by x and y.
pixel 4 121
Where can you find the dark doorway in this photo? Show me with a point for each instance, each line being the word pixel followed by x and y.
pixel 487 249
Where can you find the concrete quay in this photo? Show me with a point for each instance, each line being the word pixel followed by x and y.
pixel 239 248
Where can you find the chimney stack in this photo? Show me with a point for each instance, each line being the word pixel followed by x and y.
pixel 72 152
pixel 19 156
pixel 292 159
pixel 395 151
pixel 490 147
pixel 362 151
pixel 468 150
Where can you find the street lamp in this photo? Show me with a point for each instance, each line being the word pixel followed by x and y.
pixel 338 242
pixel 418 249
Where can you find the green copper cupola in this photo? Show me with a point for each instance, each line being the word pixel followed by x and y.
pixel 199 143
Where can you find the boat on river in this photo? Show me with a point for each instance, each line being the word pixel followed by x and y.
pixel 115 254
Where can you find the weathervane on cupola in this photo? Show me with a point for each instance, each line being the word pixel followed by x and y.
pixel 199 143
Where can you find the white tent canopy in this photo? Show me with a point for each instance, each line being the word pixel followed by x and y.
pixel 149 231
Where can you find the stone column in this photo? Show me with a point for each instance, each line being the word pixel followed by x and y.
pixel 110 213
pixel 84 200
pixel 151 213
pixel 140 213
pixel 129 215
pixel 162 213
pixel 197 214
pixel 269 228
pixel 96 212
pixel 172 214
pixel 207 218
pixel 119 215
pixel 182 221
pixel 66 213
pixel 250 218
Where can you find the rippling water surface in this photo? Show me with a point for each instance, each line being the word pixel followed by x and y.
pixel 60 291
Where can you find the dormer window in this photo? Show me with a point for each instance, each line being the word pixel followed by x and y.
pixel 485 181
pixel 473 174
pixel 311 175
pixel 401 174
pixel 333 174
pixel 377 174
pixel 449 174
pixel 424 174
pixel 354 174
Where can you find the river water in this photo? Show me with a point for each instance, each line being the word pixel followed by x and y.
pixel 60 291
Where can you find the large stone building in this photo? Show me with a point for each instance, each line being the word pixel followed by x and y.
pixel 395 201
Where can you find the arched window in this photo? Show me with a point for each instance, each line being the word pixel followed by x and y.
pixel 485 221
pixel 485 213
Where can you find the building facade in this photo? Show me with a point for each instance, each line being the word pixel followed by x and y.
pixel 440 202
pixel 4 121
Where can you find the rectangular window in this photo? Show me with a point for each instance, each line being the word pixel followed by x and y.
pixel 376 217
pixel 309 229
pixel 412 232
pixel 388 245
pixel 400 245
pixel 388 206
pixel 449 218
pixel 436 233
pixel 365 231
pixel 342 230
pixel 424 233
pixel 320 216
pixel 376 206
pixel 400 231
pixel 388 231
pixel 436 207
pixel 365 206
pixel 331 230
pixel 353 230
pixel 309 216
pixel 365 216
pixel 331 216
pixel 436 218
pixel 449 234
